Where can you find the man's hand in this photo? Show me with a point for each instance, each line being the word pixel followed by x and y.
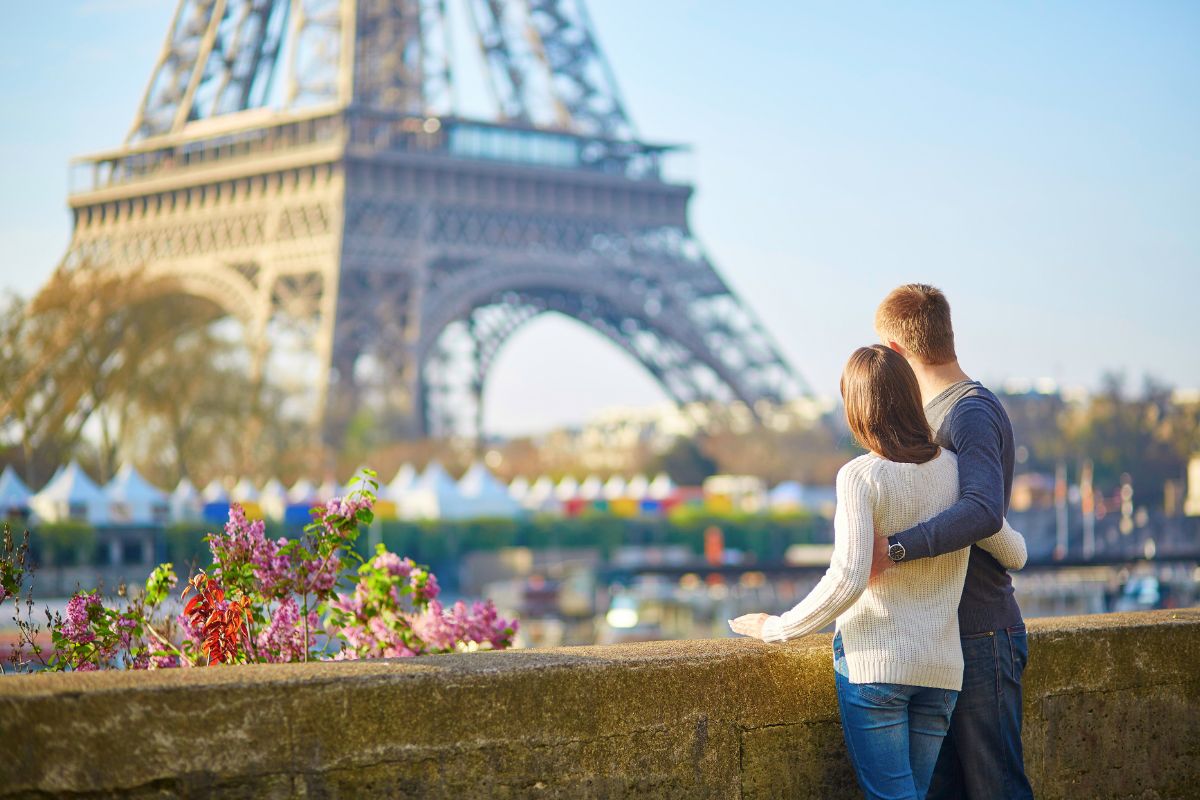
pixel 880 561
pixel 749 625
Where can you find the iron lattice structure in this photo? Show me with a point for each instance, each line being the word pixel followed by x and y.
pixel 347 206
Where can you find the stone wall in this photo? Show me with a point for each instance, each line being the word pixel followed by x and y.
pixel 1112 710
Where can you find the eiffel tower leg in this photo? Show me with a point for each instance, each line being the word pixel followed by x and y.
pixel 477 379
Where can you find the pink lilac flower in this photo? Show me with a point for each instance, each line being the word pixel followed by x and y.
pixel 86 666
pixel 436 628
pixel 78 627
pixel 244 541
pixel 193 633
pixel 164 662
pixel 393 564
pixel 283 640
pixel 125 627
pixel 351 604
pixel 322 575
pixel 426 589
pixel 443 629
pixel 342 512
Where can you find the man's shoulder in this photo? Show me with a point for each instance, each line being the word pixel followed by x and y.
pixel 977 413
pixel 976 401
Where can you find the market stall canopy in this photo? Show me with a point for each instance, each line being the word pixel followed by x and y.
pixel 638 487
pixel 186 503
pixel 133 500
pixel 614 488
pixel 591 488
pixel 661 488
pixel 244 491
pixel 302 492
pixel 435 495
pixel 484 495
pixel 273 499
pixel 14 494
pixel 215 492
pixel 567 489
pixel 519 487
pixel 71 495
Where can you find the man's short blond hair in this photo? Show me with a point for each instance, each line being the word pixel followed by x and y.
pixel 917 317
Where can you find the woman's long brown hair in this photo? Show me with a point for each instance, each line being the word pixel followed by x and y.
pixel 883 406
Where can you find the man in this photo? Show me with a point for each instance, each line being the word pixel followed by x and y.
pixel 981 756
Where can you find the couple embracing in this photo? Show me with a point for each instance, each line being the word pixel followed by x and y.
pixel 930 646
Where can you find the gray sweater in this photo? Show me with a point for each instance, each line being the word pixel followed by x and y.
pixel 968 419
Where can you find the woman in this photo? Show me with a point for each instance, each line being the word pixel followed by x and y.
pixel 897 656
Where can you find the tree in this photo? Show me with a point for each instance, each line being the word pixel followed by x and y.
pixel 686 462
pixel 139 361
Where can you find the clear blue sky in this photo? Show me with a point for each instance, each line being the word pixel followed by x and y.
pixel 1040 162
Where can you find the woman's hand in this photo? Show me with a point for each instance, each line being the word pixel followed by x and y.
pixel 749 625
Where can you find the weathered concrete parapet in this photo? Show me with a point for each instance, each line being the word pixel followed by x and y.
pixel 1112 710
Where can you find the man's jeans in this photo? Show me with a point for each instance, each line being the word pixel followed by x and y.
pixel 981 758
pixel 893 732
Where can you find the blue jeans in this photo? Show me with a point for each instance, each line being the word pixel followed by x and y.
pixel 981 757
pixel 893 732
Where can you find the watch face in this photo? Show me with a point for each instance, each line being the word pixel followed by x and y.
pixel 896 552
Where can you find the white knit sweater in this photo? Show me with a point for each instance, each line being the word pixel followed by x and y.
pixel 903 627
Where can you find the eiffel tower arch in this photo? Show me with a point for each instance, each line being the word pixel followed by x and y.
pixel 301 164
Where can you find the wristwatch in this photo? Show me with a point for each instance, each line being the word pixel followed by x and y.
pixel 896 552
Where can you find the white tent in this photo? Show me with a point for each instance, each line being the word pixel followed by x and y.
pixel 638 487
pixel 14 494
pixel 71 495
pixel 567 489
pixel 485 496
pixel 133 500
pixel 614 488
pixel 661 487
pixel 435 495
pixel 273 499
pixel 519 488
pixel 244 491
pixel 215 492
pixel 542 496
pixel 591 488
pixel 404 480
pixel 186 504
pixel 328 490
pixel 302 492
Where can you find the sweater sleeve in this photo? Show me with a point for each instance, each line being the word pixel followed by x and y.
pixel 850 567
pixel 1007 546
pixel 979 512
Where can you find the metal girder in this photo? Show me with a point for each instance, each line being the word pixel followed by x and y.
pixel 585 89
pixel 543 61
pixel 388 68
pixel 546 67
pixel 219 57
pixel 318 71
pixel 246 70
pixel 502 52
pixel 688 344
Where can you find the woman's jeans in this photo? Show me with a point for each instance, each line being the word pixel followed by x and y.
pixel 893 732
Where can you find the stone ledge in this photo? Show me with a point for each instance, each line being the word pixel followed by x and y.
pixel 716 718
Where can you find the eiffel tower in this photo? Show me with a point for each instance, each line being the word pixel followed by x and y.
pixel 301 164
